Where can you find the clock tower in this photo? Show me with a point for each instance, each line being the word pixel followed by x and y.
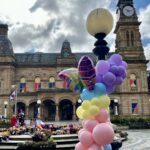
pixel 128 38
pixel 134 93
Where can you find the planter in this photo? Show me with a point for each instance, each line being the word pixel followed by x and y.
pixel 37 146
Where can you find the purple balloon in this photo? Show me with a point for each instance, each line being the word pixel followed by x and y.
pixel 124 75
pixel 99 78
pixel 116 59
pixel 124 64
pixel 118 81
pixel 121 71
pixel 110 89
pixel 114 69
pixel 102 67
pixel 109 78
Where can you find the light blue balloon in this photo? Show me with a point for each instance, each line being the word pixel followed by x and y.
pixel 107 147
pixel 87 95
pixel 99 89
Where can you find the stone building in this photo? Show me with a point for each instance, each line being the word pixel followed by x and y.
pixel 35 75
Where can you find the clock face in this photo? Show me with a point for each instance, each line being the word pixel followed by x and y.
pixel 128 10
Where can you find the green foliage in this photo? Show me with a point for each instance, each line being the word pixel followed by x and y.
pixel 37 146
pixel 41 141
pixel 128 120
pixel 4 123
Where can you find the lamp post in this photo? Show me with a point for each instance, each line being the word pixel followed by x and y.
pixel 5 109
pixel 116 107
pixel 38 108
pixel 99 23
pixel 79 101
pixel 14 88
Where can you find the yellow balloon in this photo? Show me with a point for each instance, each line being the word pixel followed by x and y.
pixel 86 115
pixel 86 105
pixel 95 101
pixel 108 109
pixel 94 110
pixel 79 112
pixel 104 101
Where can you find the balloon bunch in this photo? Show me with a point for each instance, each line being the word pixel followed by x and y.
pixel 111 72
pixel 94 83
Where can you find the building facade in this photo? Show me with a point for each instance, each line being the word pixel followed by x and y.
pixel 35 75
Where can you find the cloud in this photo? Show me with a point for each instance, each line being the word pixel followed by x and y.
pixel 46 5
pixel 145 18
pixel 144 28
pixel 66 21
pixel 147 53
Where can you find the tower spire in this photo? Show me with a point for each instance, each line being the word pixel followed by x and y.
pixel 128 2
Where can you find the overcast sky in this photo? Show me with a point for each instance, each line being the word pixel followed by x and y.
pixel 42 25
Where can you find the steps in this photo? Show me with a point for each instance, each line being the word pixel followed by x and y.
pixel 11 144
pixel 64 142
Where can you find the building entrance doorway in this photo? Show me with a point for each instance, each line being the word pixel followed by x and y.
pixel 66 110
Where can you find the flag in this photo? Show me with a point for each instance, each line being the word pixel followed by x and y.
pixel 135 108
pixel 12 96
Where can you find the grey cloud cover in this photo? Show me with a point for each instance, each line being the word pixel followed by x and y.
pixel 66 20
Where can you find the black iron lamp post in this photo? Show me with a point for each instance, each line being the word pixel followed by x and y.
pixel 99 24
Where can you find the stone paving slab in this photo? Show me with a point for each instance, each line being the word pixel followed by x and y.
pixel 137 140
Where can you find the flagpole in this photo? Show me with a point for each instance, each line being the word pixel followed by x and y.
pixel 16 100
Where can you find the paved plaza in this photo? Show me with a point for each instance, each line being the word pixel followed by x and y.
pixel 137 140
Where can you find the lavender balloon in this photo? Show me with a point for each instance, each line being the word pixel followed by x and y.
pixel 110 89
pixel 118 81
pixel 121 71
pixel 116 59
pixel 109 78
pixel 114 69
pixel 124 64
pixel 102 67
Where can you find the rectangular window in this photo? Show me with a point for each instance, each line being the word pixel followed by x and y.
pixel 135 108
pixel 23 87
pixel 37 86
pixel 51 85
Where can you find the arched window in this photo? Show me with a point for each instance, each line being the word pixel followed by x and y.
pixel 132 38
pixel 23 87
pixel 127 36
pixel 133 81
pixel 37 84
pixel 51 83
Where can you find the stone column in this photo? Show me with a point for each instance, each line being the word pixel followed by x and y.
pixel 57 113
pixel 74 112
pixel 27 112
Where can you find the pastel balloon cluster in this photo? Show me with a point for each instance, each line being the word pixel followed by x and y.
pixel 111 72
pixel 97 132
pixel 95 135
pixel 94 83
pixel 96 108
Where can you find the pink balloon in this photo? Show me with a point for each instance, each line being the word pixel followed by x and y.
pixel 90 124
pixel 102 116
pixel 80 146
pixel 81 130
pixel 103 134
pixel 86 138
pixel 95 147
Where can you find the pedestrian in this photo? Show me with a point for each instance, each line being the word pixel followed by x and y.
pixel 21 118
pixel 13 120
